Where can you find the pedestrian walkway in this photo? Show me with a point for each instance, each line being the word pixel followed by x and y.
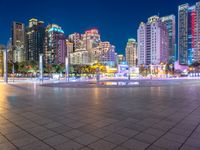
pixel 34 117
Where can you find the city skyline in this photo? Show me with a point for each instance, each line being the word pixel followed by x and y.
pixel 107 22
pixel 100 75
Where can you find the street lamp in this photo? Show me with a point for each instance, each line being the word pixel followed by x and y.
pixel 41 67
pixel 97 74
pixel 151 66
pixel 67 68
pixel 5 57
pixel 129 73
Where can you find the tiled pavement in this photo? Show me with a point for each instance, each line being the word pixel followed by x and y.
pixel 152 118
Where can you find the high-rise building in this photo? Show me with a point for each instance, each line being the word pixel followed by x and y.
pixel 70 46
pixel 35 35
pixel 104 47
pixel 120 58
pixel 189 33
pixel 141 38
pixel 18 42
pixel 170 23
pixel 96 53
pixel 10 50
pixel 153 41
pixel 131 52
pixel 76 39
pixel 1 63
pixel 91 39
pixel 111 57
pixel 79 57
pixel 107 54
pixel 88 49
pixel 55 45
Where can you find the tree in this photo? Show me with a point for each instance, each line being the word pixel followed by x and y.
pixel 71 69
pixel 48 68
pixel 27 67
pixel 62 68
pixel 22 67
pixel 33 67
pixel 142 70
pixel 195 67
pixel 10 67
pixel 54 68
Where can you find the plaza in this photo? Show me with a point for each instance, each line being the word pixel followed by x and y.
pixel 67 116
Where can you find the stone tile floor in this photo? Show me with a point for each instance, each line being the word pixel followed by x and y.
pixel 33 117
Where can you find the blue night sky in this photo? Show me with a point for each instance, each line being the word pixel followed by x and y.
pixel 117 20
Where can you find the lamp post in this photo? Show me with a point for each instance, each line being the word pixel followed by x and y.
pixel 67 68
pixel 5 62
pixel 151 70
pixel 5 56
pixel 97 74
pixel 41 67
pixel 129 73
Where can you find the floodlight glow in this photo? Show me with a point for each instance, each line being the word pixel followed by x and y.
pixel 53 29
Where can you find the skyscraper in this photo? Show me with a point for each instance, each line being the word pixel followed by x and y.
pixel 120 58
pixel 91 39
pixel 76 39
pixel 104 47
pixel 141 38
pixel 111 57
pixel 70 47
pixel 89 49
pixel 18 42
pixel 79 57
pixel 189 33
pixel 153 42
pixel 107 54
pixel 55 45
pixel 170 23
pixel 131 52
pixel 35 35
pixel 10 50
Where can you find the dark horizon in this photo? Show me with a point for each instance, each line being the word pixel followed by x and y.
pixel 116 21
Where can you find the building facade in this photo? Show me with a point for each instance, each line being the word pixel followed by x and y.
pixel 120 58
pixel 107 54
pixel 35 35
pixel 104 47
pixel 55 45
pixel 89 46
pixel 170 23
pixel 79 57
pixel 76 39
pixel 70 46
pixel 141 38
pixel 131 52
pixel 153 42
pixel 189 33
pixel 10 50
pixel 91 39
pixel 18 42
pixel 111 57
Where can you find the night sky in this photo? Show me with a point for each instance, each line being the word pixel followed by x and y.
pixel 117 20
